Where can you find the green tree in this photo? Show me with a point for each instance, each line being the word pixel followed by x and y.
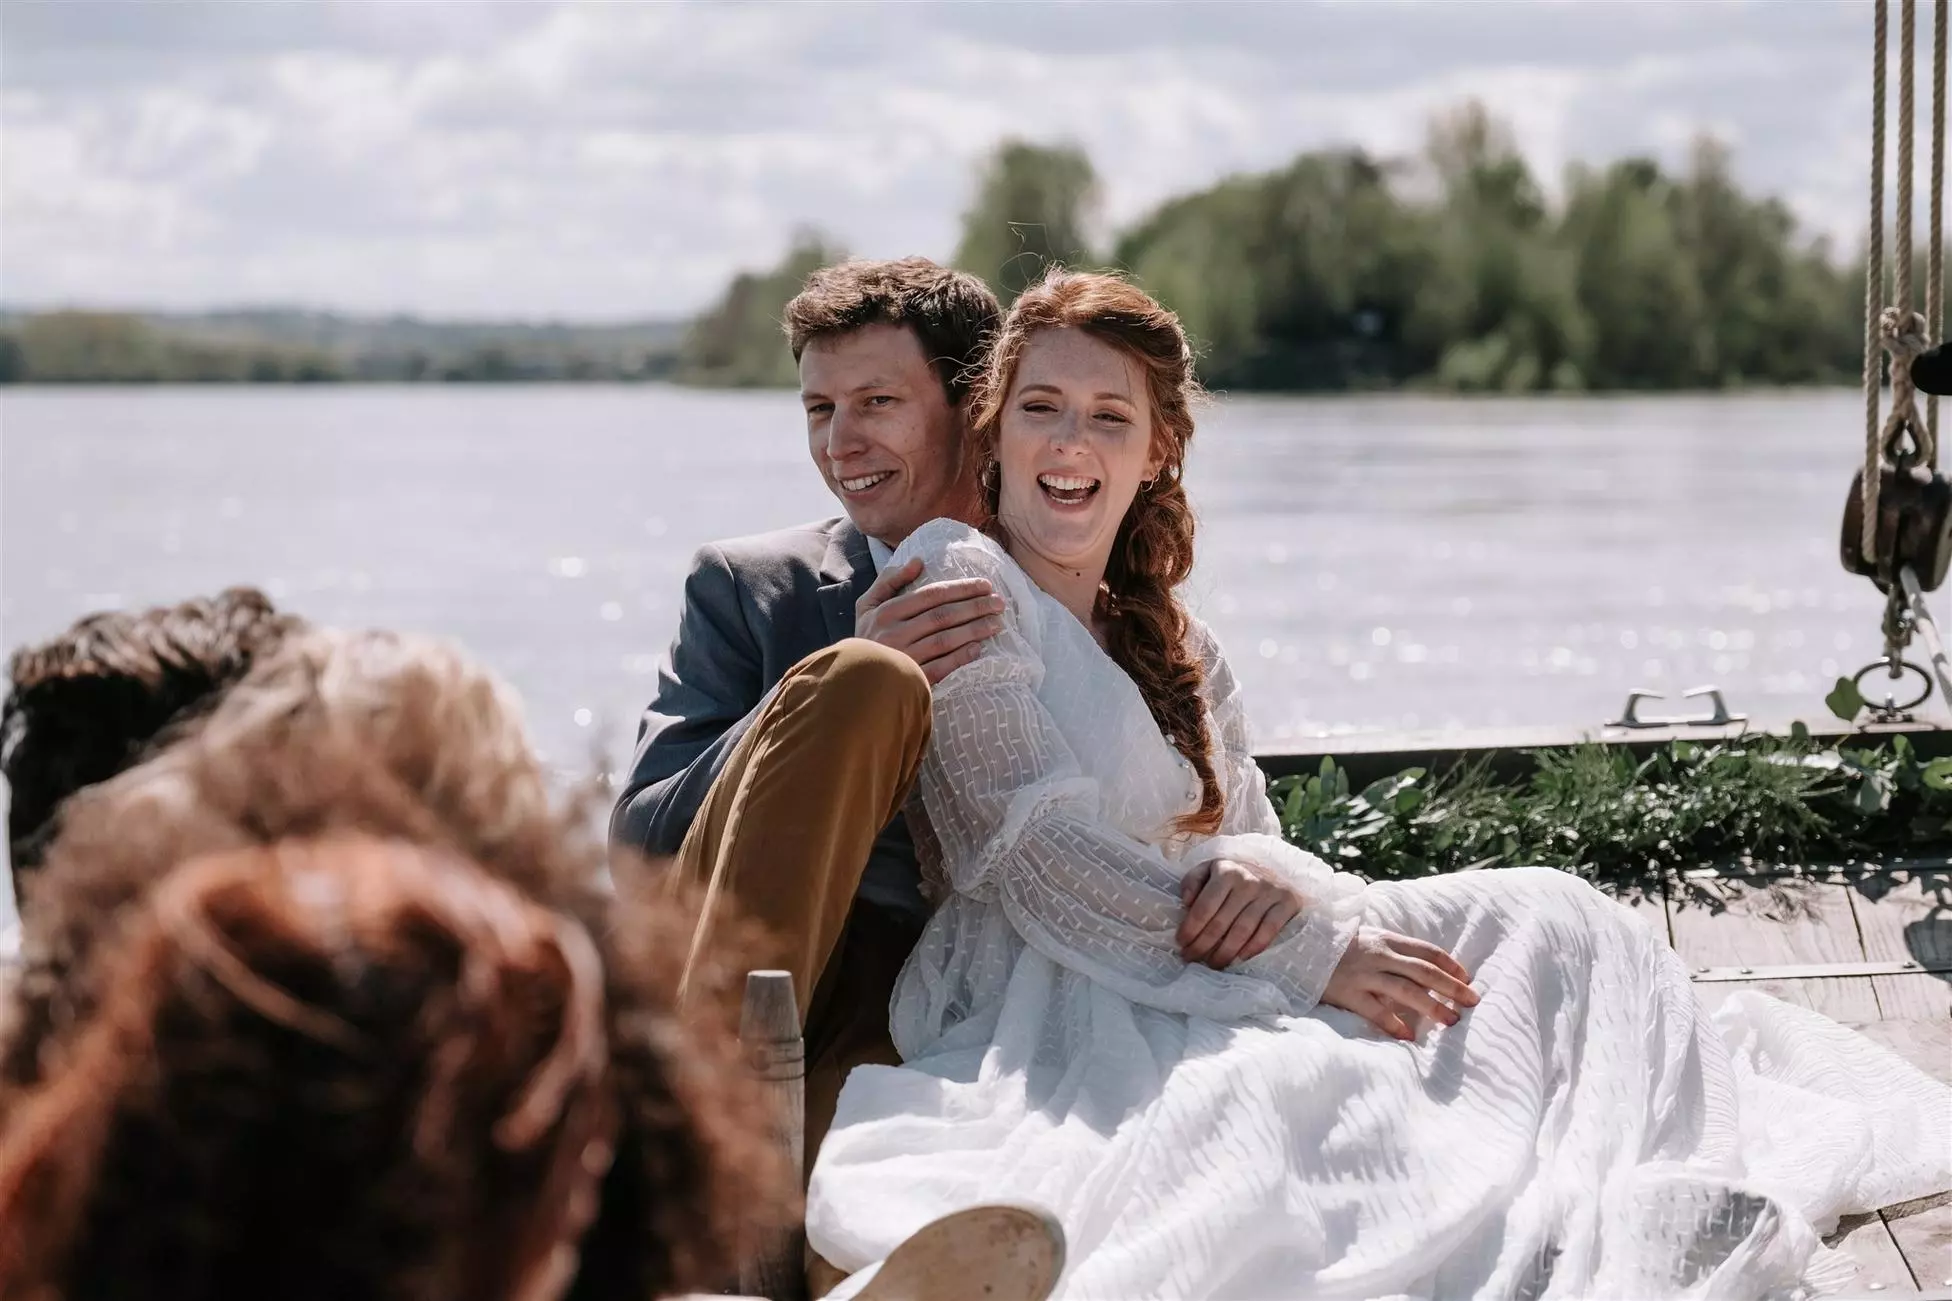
pixel 1778 310
pixel 1495 307
pixel 1637 280
pixel 737 343
pixel 1032 208
pixel 1294 279
pixel 71 347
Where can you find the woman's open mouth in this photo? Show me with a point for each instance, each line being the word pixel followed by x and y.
pixel 1067 489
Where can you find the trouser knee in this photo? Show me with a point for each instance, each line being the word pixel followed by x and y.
pixel 858 683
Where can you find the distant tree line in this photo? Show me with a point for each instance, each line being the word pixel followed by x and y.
pixel 312 347
pixel 1450 271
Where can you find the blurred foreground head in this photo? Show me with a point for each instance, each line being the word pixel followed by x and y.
pixel 403 740
pixel 337 1068
pixel 87 704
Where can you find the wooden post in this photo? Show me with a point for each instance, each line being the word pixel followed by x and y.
pixel 772 1264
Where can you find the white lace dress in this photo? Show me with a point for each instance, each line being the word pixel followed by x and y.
pixel 1584 1131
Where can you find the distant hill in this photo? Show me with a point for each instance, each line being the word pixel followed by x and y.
pixel 279 344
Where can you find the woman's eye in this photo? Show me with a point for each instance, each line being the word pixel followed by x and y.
pixel 1038 408
pixel 1113 418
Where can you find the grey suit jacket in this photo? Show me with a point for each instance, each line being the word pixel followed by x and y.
pixel 754 607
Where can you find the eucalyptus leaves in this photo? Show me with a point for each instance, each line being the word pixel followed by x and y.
pixel 1598 811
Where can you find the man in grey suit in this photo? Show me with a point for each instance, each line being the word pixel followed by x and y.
pixel 793 709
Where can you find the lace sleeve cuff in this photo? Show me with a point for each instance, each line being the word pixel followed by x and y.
pixel 1309 948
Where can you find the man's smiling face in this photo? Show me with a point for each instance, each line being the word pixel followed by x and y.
pixel 881 430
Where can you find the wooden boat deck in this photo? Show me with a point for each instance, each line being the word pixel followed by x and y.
pixel 1870 946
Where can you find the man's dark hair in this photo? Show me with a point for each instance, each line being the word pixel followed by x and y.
pixel 952 313
pixel 89 703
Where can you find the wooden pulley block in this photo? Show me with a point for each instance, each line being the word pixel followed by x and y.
pixel 1914 526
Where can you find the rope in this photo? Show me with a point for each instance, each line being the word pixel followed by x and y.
pixel 1902 332
pixel 1935 259
pixel 1874 295
pixel 1901 252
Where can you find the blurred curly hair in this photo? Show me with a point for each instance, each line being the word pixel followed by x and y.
pixel 90 702
pixel 320 1069
pixel 405 739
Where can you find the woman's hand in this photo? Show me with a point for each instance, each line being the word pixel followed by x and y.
pixel 1392 981
pixel 1233 911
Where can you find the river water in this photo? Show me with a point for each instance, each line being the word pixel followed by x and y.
pixel 1370 563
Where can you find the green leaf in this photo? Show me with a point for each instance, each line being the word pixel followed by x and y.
pixel 1937 775
pixel 1873 796
pixel 1799 732
pixel 1845 700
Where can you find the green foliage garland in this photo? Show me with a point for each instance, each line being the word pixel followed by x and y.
pixel 1598 812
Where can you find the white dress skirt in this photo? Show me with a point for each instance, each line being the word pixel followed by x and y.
pixel 1585 1131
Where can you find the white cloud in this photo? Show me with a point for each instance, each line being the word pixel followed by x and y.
pixel 609 159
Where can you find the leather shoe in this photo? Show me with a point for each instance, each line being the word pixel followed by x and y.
pixel 986 1253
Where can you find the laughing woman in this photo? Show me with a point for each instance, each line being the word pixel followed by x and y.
pixel 1268 1120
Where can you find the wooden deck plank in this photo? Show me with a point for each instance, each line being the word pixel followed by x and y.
pixel 1751 921
pixel 1772 920
pixel 1904 914
pixel 1923 1232
pixel 1914 998
pixel 1849 999
pixel 1881 1267
pixel 1924 1042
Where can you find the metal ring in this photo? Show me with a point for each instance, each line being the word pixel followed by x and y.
pixel 1857 680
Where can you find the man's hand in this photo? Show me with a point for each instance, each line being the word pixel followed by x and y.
pixel 1233 912
pixel 1392 981
pixel 941 626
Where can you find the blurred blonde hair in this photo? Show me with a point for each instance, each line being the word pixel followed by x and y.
pixel 403 738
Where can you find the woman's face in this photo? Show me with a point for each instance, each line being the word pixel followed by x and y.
pixel 1073 444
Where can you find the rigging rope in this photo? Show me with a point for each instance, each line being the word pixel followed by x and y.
pixel 1874 293
pixel 1935 258
pixel 1907 61
pixel 1897 330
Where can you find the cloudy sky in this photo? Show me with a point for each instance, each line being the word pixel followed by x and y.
pixel 525 158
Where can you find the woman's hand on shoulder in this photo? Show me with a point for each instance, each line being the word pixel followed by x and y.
pixel 1393 981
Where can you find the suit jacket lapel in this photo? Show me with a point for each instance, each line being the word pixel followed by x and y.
pixel 849 571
